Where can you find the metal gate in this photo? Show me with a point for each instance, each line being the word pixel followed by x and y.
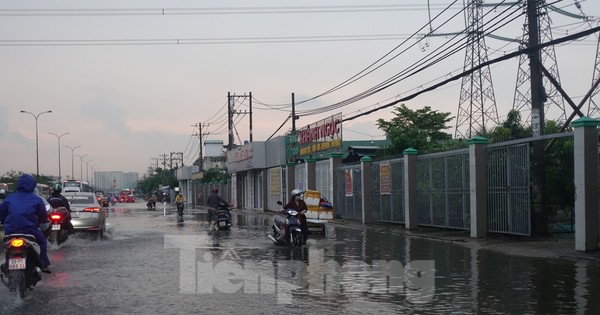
pixel 349 193
pixel 389 207
pixel 509 197
pixel 443 189
pixel 323 178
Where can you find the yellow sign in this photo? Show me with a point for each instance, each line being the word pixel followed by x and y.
pixel 321 146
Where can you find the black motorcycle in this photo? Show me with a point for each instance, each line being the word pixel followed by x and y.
pixel 151 205
pixel 287 231
pixel 58 231
pixel 223 218
pixel 180 206
pixel 22 268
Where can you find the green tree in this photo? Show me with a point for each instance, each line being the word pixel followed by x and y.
pixel 160 178
pixel 214 175
pixel 510 129
pixel 420 129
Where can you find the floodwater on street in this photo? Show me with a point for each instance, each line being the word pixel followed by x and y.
pixel 149 263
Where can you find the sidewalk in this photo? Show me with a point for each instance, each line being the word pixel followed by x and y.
pixel 559 246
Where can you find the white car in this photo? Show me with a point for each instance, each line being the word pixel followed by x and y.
pixel 86 212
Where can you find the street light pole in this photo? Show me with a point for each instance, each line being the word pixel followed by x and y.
pixel 37 155
pixel 87 172
pixel 81 165
pixel 72 163
pixel 58 137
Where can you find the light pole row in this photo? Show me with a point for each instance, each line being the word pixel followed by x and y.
pixel 37 155
pixel 58 137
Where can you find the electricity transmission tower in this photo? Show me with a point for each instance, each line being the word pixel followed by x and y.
pixel 552 98
pixel 477 103
pixel 593 110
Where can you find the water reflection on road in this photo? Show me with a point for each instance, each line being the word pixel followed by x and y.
pixel 140 268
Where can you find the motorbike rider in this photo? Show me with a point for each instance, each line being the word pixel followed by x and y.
pixel 213 202
pixel 57 200
pixel 299 205
pixel 23 212
pixel 179 199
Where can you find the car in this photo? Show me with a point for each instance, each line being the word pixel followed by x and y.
pixel 86 213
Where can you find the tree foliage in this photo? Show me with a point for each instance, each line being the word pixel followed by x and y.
pixel 12 177
pixel 215 175
pixel 160 178
pixel 421 129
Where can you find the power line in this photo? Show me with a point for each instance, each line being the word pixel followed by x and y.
pixel 490 62
pixel 213 11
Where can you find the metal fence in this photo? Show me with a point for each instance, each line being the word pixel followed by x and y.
pixel 443 189
pixel 389 207
pixel 349 205
pixel 508 185
pixel 323 178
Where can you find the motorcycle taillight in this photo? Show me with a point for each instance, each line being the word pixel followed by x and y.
pixel 17 242
pixel 55 217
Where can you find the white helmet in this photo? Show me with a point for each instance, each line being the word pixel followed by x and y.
pixel 297 192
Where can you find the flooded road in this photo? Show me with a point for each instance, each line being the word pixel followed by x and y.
pixel 149 263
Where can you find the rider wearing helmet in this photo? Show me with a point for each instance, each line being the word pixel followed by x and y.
pixel 23 213
pixel 213 202
pixel 57 200
pixel 299 205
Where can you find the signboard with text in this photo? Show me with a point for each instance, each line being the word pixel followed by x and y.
pixel 385 178
pixel 322 135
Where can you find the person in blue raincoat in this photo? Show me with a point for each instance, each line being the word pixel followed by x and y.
pixel 23 212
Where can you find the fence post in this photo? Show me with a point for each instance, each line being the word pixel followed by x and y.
pixel 478 186
pixel 290 171
pixel 336 163
pixel 366 187
pixel 311 174
pixel 411 211
pixel 585 149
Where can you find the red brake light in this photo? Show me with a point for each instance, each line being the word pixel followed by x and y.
pixel 94 209
pixel 55 216
pixel 17 242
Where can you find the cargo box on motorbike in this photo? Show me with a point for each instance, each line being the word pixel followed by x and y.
pixel 319 208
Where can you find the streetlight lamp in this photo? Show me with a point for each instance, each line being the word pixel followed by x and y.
pixel 58 137
pixel 81 165
pixel 72 164
pixel 37 155
pixel 87 172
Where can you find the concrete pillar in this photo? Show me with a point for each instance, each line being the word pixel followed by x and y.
pixel 311 174
pixel 411 214
pixel 366 187
pixel 478 186
pixel 585 148
pixel 290 171
pixel 336 163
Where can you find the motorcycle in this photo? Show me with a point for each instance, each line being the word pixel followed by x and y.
pixel 180 206
pixel 223 218
pixel 151 205
pixel 57 231
pixel 104 203
pixel 287 231
pixel 113 201
pixel 22 268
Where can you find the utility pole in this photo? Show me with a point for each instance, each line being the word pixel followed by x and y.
pixel 233 111
pixel 200 135
pixel 229 122
pixel 293 113
pixel 250 99
pixel 540 216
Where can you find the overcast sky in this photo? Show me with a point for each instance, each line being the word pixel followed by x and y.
pixel 129 79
